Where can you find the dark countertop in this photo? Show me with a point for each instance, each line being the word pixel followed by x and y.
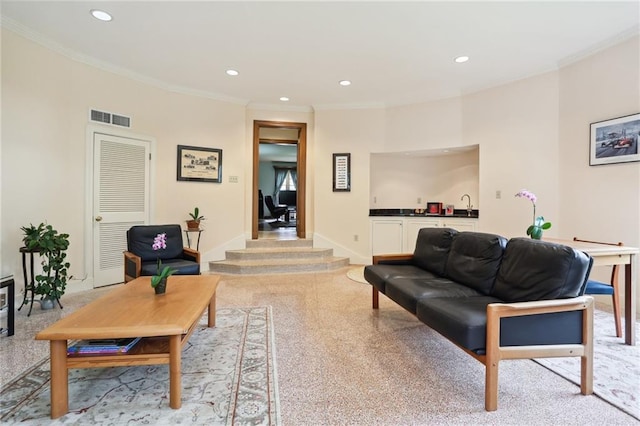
pixel 412 213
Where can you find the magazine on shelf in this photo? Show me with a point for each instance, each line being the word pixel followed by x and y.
pixel 102 346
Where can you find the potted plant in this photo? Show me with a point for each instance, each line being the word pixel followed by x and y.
pixel 51 246
pixel 193 224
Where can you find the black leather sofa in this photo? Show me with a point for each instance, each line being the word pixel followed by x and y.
pixel 495 299
pixel 141 259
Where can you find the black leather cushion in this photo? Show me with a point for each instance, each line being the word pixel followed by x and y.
pixel 463 320
pixel 474 259
pixel 183 267
pixel 377 275
pixel 540 270
pixel 407 291
pixel 432 249
pixel 140 241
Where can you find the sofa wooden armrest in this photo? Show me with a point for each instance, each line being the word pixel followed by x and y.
pixel 191 254
pixel 495 353
pixel 381 258
pixel 132 266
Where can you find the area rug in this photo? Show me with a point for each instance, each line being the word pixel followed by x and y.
pixel 357 274
pixel 228 378
pixel 616 369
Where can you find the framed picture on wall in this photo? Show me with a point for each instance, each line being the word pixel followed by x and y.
pixel 448 210
pixel 342 172
pixel 198 164
pixel 615 140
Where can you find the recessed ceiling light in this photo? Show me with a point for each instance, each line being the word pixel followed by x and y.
pixel 284 99
pixel 232 72
pixel 345 83
pixel 461 59
pixel 101 15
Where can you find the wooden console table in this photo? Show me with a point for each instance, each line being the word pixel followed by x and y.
pixel 604 255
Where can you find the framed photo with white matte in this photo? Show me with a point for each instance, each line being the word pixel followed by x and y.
pixel 615 140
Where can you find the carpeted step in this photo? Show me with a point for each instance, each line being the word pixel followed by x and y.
pixel 278 266
pixel 270 256
pixel 279 253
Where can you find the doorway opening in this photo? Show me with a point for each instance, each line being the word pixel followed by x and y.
pixel 279 153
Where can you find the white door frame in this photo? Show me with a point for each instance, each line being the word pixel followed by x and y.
pixel 88 207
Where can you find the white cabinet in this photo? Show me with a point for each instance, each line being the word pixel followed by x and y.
pixel 386 236
pixel 412 227
pixel 459 223
pixel 399 234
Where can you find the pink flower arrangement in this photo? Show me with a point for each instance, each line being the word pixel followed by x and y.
pixel 160 243
pixel 539 224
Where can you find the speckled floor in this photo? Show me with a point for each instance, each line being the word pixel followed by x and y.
pixel 340 362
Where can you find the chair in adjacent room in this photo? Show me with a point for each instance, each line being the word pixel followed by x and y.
pixel 276 211
pixel 612 288
pixel 141 259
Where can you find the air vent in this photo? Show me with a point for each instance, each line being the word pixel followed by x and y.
pixel 102 117
pixel 121 120
pixel 109 118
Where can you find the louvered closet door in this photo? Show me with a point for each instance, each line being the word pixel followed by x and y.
pixel 121 200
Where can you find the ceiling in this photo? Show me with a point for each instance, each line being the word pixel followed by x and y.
pixel 394 53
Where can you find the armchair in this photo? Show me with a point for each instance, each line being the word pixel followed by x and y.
pixel 276 211
pixel 140 258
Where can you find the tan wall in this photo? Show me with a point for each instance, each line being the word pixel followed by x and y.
pixel 45 107
pixel 598 202
pixel 531 134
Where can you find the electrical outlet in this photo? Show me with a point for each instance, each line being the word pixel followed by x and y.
pixel 355 237
pixel 498 194
pixel 375 200
pixel 419 200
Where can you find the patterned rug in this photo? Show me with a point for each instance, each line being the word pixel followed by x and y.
pixel 228 378
pixel 616 366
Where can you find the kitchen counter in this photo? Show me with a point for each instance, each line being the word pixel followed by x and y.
pixel 412 212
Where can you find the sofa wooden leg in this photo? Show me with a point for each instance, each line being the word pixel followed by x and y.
pixel 491 386
pixel 375 297
pixel 586 360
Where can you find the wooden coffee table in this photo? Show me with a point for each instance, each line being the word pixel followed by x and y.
pixel 165 322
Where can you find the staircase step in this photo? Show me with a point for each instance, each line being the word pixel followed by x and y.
pixel 278 266
pixel 269 256
pixel 279 253
pixel 269 243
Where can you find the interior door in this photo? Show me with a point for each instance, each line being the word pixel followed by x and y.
pixel 120 200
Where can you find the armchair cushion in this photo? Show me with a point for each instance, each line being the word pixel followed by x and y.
pixel 140 241
pixel 141 259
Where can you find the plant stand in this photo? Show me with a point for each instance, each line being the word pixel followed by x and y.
pixel 29 281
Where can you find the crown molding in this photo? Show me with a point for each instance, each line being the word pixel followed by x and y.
pixel 42 40
pixel 604 44
pixel 364 105
pixel 278 107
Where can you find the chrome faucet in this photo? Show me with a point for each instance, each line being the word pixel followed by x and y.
pixel 469 205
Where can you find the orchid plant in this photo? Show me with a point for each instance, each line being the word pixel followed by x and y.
pixel 539 224
pixel 160 243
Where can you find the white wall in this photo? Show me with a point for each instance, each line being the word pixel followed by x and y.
pixel 600 203
pixel 46 99
pixel 343 217
pixel 531 134
pixel 399 180
pixel 516 126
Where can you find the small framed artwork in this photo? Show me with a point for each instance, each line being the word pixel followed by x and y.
pixel 434 208
pixel 197 164
pixel 615 140
pixel 448 210
pixel 342 172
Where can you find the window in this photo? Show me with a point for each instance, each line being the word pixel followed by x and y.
pixel 288 184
